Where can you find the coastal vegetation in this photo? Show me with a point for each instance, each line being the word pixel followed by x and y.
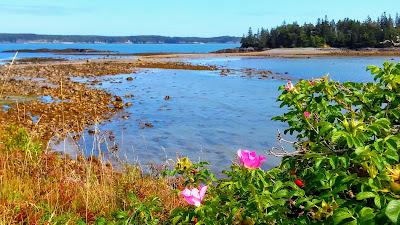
pixel 345 33
pixel 342 167
pixel 45 187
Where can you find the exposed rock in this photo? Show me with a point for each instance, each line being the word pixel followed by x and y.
pixel 118 98
pixel 118 105
pixel 92 132
pixel 146 125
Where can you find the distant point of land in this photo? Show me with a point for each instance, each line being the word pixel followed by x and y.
pixel 141 39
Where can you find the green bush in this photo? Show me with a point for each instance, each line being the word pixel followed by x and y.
pixel 15 138
pixel 344 168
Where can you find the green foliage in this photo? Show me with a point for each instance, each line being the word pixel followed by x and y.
pixel 193 174
pixel 346 155
pixel 15 138
pixel 139 212
pixel 344 33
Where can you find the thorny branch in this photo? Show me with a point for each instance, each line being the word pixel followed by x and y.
pixel 280 151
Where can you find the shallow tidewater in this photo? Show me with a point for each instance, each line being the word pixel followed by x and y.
pixel 208 117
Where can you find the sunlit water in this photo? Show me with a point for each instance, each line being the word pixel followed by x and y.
pixel 120 48
pixel 210 117
pixel 338 68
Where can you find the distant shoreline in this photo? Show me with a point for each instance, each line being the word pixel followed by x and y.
pixel 96 39
pixel 305 53
pixel 123 43
pixel 277 52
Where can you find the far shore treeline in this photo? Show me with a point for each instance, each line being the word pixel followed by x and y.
pixel 141 39
pixel 345 33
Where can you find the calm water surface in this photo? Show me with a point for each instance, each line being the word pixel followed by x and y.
pixel 210 117
pixel 341 69
pixel 121 48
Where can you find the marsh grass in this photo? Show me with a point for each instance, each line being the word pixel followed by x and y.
pixel 44 187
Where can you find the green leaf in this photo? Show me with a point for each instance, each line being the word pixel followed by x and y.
pixel 282 193
pixel 366 214
pixel 377 201
pixel 392 154
pixel 340 215
pixel 100 221
pixel 277 186
pixel 325 127
pixel 176 219
pixel 374 69
pixel 391 143
pixel 365 195
pixel 318 162
pixel 337 135
pixel 80 222
pixel 361 150
pixel 121 215
pixel 353 222
pixel 349 140
pixel 393 210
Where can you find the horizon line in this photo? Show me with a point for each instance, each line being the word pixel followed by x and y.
pixel 138 35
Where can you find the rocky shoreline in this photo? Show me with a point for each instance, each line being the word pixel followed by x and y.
pixel 42 96
pixel 70 106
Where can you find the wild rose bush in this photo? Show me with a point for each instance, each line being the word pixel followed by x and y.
pixel 344 170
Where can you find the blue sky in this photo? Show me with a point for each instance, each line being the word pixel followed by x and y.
pixel 174 17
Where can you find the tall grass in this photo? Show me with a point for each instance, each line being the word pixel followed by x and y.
pixel 44 187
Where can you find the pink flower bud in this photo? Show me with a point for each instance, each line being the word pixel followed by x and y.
pixel 307 115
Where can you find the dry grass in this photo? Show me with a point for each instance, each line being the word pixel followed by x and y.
pixel 46 188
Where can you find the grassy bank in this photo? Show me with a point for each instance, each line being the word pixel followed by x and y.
pixel 38 187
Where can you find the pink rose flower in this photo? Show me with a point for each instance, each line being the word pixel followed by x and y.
pixel 307 115
pixel 194 196
pixel 289 86
pixel 250 159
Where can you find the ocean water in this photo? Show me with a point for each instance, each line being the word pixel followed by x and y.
pixel 121 48
pixel 338 68
pixel 208 117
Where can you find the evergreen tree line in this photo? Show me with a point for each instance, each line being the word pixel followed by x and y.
pixel 346 33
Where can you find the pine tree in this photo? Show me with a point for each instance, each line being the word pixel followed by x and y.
pixel 263 38
pixel 346 33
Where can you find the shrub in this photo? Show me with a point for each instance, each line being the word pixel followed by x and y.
pixel 16 138
pixel 344 168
